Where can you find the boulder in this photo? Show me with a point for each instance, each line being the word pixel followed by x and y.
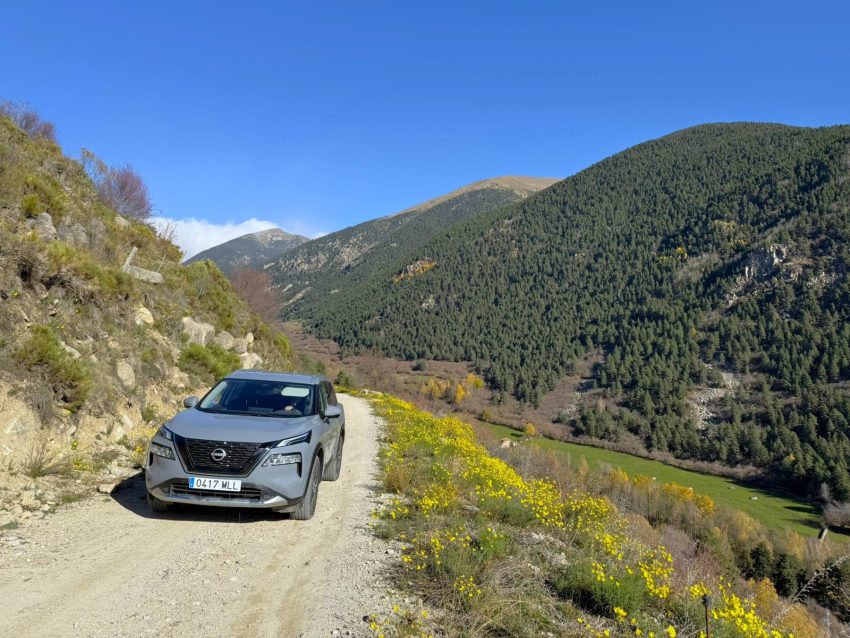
pixel 178 378
pixel 196 331
pixel 250 360
pixel 761 264
pixel 150 276
pixel 18 421
pixel 120 221
pixel 120 429
pixel 240 346
pixel 142 316
pixel 224 340
pixel 126 375
pixel 75 354
pixel 73 234
pixel 43 226
pixel 249 339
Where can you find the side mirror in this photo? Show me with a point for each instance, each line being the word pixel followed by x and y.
pixel 190 402
pixel 332 411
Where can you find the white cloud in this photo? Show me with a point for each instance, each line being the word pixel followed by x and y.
pixel 194 235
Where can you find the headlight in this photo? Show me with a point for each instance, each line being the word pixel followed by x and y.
pixel 295 440
pixel 282 459
pixel 162 450
pixel 165 433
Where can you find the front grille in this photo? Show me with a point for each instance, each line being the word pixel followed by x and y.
pixel 181 488
pixel 239 459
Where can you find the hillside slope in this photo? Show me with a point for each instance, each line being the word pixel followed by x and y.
pixel 251 250
pixel 313 272
pixel 92 357
pixel 708 267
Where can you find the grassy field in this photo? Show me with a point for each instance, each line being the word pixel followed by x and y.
pixel 771 508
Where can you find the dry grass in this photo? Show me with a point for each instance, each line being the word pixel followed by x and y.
pixel 41 459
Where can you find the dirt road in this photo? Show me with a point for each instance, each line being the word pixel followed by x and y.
pixel 109 567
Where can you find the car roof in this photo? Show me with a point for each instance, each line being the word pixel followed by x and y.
pixel 288 377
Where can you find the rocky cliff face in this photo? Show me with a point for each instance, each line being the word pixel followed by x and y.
pixel 102 331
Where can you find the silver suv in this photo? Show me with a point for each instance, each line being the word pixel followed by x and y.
pixel 257 439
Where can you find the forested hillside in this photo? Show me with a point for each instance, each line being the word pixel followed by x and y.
pixel 708 268
pixel 310 274
pixel 250 251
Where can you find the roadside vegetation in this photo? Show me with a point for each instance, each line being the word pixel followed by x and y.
pixel 773 510
pixel 491 551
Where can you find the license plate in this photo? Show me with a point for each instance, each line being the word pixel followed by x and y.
pixel 223 485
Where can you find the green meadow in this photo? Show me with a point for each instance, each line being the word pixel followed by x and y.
pixel 771 508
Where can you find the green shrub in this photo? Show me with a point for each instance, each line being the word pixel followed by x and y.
pixel 47 192
pixel 282 345
pixel 30 205
pixel 207 362
pixel 577 582
pixel 111 281
pixel 149 414
pixel 344 380
pixel 210 292
pixel 70 378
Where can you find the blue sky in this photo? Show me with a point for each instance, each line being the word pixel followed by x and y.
pixel 315 116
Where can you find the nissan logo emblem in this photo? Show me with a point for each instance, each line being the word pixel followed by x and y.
pixel 218 455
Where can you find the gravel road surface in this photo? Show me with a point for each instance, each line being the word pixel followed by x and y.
pixel 110 567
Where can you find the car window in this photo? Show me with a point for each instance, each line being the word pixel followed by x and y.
pixel 331 394
pixel 323 398
pixel 259 397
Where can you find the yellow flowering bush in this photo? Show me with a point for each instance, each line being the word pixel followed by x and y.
pixel 735 617
pixel 461 513
pixel 495 484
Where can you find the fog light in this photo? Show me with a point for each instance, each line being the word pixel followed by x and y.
pixel 282 459
pixel 161 450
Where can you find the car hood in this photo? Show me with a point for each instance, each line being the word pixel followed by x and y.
pixel 195 424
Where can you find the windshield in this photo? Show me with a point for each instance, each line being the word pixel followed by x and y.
pixel 261 398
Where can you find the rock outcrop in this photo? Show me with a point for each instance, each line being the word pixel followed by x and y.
pixel 196 331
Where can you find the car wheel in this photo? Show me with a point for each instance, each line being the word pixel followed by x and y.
pixel 307 507
pixel 334 468
pixel 156 505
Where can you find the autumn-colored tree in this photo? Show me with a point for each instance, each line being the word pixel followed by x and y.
pixel 435 388
pixel 255 287
pixel 529 429
pixel 473 381
pixel 121 189
pixel 459 394
pixel 28 120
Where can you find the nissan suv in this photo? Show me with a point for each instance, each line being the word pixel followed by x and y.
pixel 257 439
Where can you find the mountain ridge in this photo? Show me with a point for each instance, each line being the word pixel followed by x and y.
pixel 319 267
pixel 518 184
pixel 251 250
pixel 721 248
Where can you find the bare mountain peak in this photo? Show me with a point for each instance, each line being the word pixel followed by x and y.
pixel 251 250
pixel 265 237
pixel 518 184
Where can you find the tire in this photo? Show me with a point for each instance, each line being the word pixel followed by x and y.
pixel 307 507
pixel 332 473
pixel 156 505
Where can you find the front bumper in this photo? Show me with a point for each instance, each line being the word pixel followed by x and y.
pixel 280 487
